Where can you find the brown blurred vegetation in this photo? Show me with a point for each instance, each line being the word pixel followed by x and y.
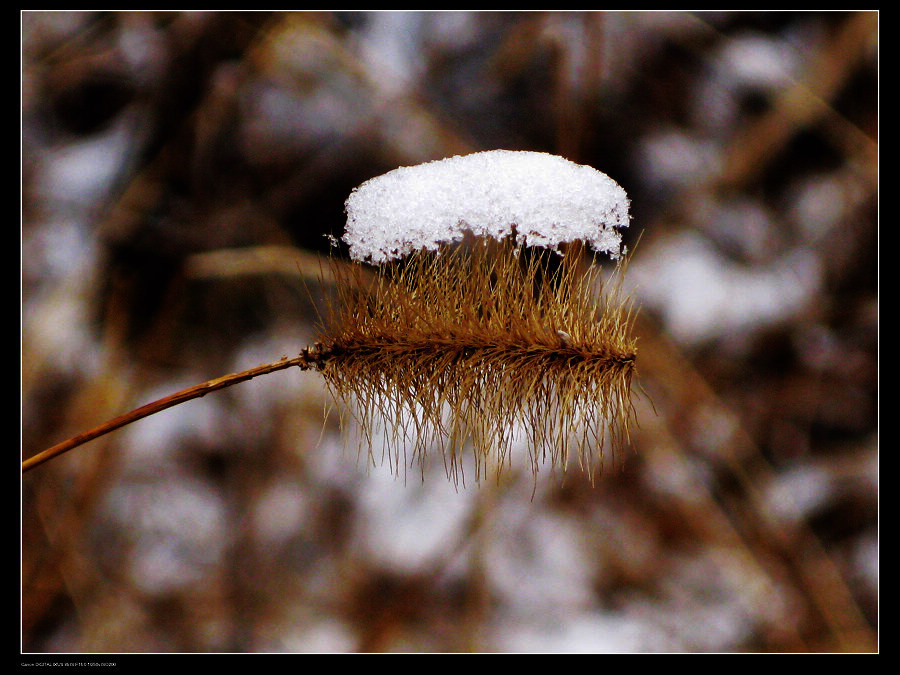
pixel 180 173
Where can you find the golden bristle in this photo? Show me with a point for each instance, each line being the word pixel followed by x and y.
pixel 467 346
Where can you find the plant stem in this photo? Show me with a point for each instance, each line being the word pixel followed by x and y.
pixel 310 357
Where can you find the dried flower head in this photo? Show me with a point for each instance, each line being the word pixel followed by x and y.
pixel 468 337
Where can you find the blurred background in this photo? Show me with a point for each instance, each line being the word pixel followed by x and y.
pixel 181 173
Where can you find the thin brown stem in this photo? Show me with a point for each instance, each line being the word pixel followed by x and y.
pixel 311 357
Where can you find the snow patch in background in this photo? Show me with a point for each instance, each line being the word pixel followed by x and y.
pixel 405 527
pixel 701 296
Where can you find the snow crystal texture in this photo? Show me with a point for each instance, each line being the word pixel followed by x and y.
pixel 543 199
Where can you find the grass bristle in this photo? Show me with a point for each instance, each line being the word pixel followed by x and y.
pixel 474 347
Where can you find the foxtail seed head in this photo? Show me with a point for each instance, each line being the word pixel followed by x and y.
pixel 468 336
pixel 479 346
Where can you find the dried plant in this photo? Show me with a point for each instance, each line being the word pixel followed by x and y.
pixel 471 340
pixel 482 344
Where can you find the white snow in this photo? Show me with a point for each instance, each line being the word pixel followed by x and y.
pixel 703 296
pixel 544 199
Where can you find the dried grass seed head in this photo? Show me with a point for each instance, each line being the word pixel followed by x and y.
pixel 466 339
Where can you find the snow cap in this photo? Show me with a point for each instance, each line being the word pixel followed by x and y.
pixel 544 199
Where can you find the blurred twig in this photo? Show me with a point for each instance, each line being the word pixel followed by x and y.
pixel 805 103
